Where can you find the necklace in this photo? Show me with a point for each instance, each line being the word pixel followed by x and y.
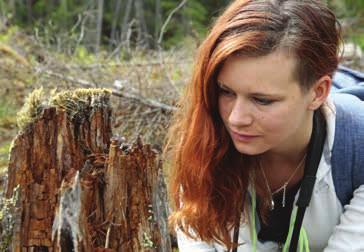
pixel 283 187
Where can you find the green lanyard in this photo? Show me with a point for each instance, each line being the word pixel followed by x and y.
pixel 296 233
pixel 303 244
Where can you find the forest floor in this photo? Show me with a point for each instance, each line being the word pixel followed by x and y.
pixel 145 84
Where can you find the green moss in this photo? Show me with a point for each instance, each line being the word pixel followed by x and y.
pixel 62 99
pixel 32 108
pixel 77 103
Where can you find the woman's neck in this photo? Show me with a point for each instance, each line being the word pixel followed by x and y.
pixel 280 163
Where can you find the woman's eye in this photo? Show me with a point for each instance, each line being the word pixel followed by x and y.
pixel 263 101
pixel 226 92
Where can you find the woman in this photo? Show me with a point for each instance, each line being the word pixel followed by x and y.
pixel 242 137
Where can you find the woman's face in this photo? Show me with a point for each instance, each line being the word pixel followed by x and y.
pixel 262 105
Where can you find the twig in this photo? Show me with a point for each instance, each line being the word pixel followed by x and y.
pixel 164 26
pixel 146 101
pixel 160 39
pixel 132 64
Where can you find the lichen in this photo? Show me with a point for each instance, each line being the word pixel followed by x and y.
pixel 147 241
pixel 8 208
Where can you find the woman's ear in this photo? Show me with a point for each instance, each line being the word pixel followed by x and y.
pixel 319 92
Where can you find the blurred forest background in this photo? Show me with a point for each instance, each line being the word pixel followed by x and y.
pixel 142 49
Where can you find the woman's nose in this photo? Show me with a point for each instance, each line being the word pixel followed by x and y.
pixel 241 114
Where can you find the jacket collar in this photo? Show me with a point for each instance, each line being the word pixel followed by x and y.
pixel 329 113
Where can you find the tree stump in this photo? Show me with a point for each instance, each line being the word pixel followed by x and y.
pixel 79 188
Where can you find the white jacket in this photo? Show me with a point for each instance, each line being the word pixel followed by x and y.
pixel 329 226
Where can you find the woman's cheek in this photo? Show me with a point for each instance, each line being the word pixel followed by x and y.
pixel 274 122
pixel 224 109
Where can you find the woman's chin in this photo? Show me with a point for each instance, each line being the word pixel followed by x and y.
pixel 249 149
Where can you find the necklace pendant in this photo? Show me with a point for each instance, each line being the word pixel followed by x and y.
pixel 271 204
pixel 284 195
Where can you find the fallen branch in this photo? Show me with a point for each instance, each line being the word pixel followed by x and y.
pixel 130 64
pixel 143 100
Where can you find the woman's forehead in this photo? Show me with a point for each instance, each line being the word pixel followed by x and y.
pixel 274 71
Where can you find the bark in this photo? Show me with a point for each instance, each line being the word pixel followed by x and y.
pixel 78 192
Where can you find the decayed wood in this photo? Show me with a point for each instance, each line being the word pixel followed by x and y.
pixel 132 198
pixel 82 191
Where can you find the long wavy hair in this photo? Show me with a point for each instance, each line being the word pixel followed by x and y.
pixel 209 177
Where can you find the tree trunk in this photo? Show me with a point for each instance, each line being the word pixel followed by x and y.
pixel 78 192
pixel 100 11
pixel 90 25
pixel 29 11
pixel 125 22
pixel 158 22
pixel 142 31
pixel 114 23
pixel 12 7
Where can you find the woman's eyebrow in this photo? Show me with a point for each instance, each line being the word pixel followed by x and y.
pixel 222 85
pixel 258 94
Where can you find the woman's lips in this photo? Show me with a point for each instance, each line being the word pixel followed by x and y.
pixel 243 137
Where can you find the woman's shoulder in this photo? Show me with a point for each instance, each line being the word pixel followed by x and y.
pixel 346 104
pixel 348 146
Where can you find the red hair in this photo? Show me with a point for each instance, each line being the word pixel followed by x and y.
pixel 209 178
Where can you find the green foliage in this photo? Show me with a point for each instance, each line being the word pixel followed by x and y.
pixel 7 113
pixel 189 22
pixel 6 35
pixel 359 40
pixel 82 55
pixel 55 21
pixel 347 8
pixel 4 154
pixel 67 25
pixel 5 148
pixel 355 7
